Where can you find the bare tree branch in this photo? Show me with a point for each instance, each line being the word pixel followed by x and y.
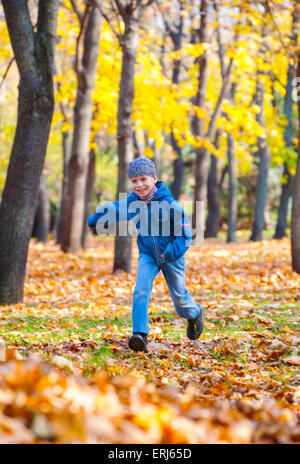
pixel 269 10
pixel 226 81
pixel 117 16
pixel 120 8
pixel 117 34
pixel 142 7
pixel 85 18
pixel 7 69
pixel 76 10
pixel 221 49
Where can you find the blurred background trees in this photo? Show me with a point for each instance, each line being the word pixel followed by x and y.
pixel 203 87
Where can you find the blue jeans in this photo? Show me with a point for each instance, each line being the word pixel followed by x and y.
pixel 175 277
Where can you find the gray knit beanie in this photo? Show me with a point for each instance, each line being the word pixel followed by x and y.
pixel 141 167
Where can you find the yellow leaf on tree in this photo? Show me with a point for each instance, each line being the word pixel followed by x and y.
pixel 200 112
pixel 148 152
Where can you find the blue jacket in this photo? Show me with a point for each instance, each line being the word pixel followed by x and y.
pixel 163 228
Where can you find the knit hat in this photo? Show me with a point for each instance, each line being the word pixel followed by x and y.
pixel 141 167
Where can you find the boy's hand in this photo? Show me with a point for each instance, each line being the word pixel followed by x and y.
pixel 94 230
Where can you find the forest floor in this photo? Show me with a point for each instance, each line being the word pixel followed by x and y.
pixel 67 375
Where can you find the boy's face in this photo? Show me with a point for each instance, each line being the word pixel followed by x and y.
pixel 142 185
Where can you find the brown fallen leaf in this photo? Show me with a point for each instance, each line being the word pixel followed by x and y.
pixel 295 360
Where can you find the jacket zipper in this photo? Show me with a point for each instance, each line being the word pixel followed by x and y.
pixel 146 205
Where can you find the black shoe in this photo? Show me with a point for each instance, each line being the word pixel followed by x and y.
pixel 195 327
pixel 138 342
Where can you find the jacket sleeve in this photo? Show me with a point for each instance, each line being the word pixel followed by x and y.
pixel 183 236
pixel 116 211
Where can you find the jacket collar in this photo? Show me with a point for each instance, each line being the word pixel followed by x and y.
pixel 162 192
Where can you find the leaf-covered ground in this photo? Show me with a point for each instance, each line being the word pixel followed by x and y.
pixel 238 384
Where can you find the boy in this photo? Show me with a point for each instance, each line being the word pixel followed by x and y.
pixel 164 236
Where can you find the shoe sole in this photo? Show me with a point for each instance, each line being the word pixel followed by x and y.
pixel 137 344
pixel 195 337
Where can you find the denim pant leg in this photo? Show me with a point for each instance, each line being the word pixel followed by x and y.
pixel 146 272
pixel 185 305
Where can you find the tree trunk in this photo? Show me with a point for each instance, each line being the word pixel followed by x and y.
pixel 34 57
pixel 43 212
pixel 157 160
pixel 201 173
pixel 286 188
pixel 129 42
pixel 213 200
pixel 295 223
pixel 88 197
pixel 177 169
pixel 232 193
pixel 139 143
pixel 264 164
pixel 178 166
pixel 66 145
pixel 79 159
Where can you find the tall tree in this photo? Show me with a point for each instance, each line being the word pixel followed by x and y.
pixel 34 50
pixel 263 153
pixel 201 174
pixel 73 221
pixel 232 191
pixel 175 32
pixel 214 188
pixel 286 187
pixel 295 222
pixel 66 149
pixel 130 11
pixel 89 189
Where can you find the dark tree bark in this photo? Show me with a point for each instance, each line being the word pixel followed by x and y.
pixel 139 144
pixel 88 197
pixel 295 222
pixel 197 123
pixel 34 57
pixel 43 212
pixel 232 192
pixel 214 188
pixel 129 43
pixel 79 160
pixel 178 167
pixel 232 177
pixel 130 12
pixel 286 188
pixel 201 174
pixel 263 171
pixel 66 146
pixel 175 32
pixel 213 200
